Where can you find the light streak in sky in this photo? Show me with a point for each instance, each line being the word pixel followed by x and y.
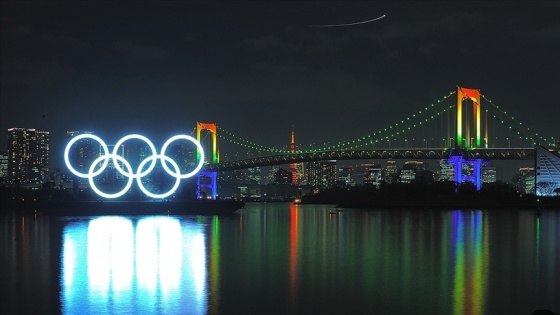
pixel 349 24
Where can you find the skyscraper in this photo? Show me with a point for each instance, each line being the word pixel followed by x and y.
pixel 345 177
pixel 525 180
pixel 322 174
pixel 409 170
pixel 28 156
pixel 391 172
pixel 446 171
pixel 488 174
pixel 373 175
pixel 3 168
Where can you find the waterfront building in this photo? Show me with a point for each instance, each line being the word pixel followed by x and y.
pixel 28 157
pixel 547 181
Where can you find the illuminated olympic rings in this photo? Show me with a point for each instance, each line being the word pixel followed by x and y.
pixel 127 171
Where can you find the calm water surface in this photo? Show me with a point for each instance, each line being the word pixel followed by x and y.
pixel 283 259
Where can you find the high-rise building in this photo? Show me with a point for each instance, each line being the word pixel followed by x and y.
pixel 254 175
pixel 373 175
pixel 446 171
pixel 488 174
pixel 409 170
pixel 322 174
pixel 345 177
pixel 3 166
pixel 83 152
pixel 391 171
pixel 28 156
pixel 300 174
pixel 282 176
pixel 271 173
pixel 525 180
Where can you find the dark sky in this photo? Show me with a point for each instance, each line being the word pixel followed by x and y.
pixel 258 68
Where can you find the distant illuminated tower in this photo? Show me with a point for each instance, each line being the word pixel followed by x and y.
pixel 293 166
pixel 28 156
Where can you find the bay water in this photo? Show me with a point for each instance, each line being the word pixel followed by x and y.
pixel 281 258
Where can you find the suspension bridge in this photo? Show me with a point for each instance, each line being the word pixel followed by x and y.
pixel 463 127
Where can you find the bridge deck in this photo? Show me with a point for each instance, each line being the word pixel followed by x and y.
pixel 379 154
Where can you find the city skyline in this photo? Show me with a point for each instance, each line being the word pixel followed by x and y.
pixel 260 70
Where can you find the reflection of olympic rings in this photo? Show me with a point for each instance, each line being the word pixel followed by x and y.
pixel 127 171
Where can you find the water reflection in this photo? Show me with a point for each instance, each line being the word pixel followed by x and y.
pixel 293 256
pixel 283 259
pixel 471 259
pixel 152 265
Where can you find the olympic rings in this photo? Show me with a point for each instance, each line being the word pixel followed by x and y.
pixel 139 174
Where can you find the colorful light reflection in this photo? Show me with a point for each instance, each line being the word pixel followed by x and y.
pixel 153 265
pixel 470 254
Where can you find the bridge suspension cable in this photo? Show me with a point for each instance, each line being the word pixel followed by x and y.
pixel 230 137
pixel 401 128
pixel 521 135
pixel 413 120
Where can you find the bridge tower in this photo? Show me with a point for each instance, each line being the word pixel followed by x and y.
pixel 207 180
pixel 468 136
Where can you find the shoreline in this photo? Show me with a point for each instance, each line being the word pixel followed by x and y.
pixel 460 206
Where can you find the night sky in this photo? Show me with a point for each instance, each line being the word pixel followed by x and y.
pixel 259 68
